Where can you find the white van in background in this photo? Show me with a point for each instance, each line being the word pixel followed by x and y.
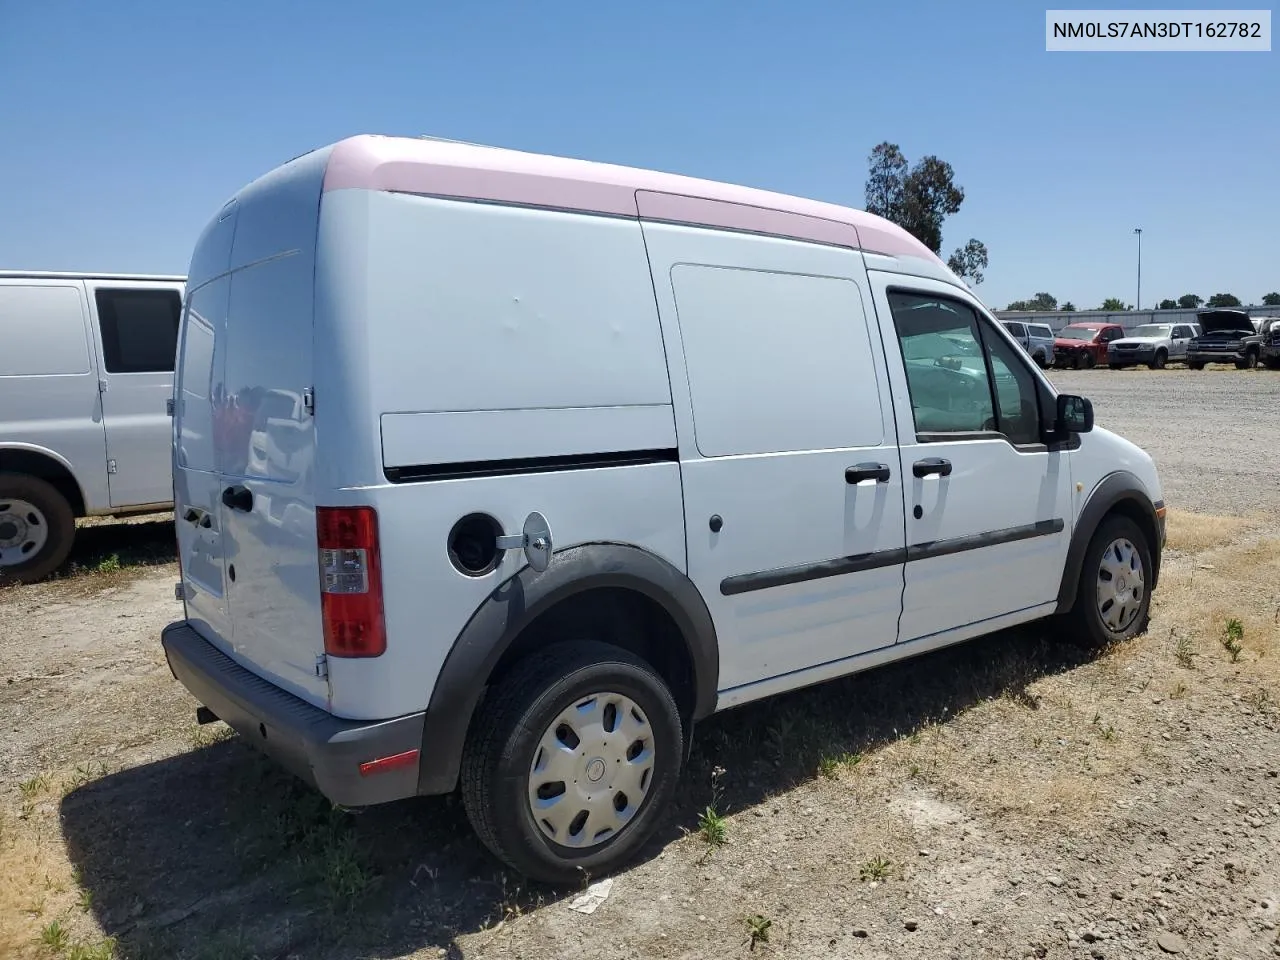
pixel 86 370
pixel 523 465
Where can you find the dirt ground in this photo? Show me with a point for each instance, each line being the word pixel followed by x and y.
pixel 1011 797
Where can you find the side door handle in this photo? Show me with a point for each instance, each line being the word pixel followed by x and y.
pixel 879 472
pixel 932 466
pixel 238 497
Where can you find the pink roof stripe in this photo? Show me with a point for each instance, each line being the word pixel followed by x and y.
pixel 447 169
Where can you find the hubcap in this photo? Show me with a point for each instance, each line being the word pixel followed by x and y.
pixel 1121 585
pixel 591 770
pixel 23 532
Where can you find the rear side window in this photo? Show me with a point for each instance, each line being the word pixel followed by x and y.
pixel 139 329
pixel 777 362
pixel 42 331
pixel 1015 329
pixel 1044 333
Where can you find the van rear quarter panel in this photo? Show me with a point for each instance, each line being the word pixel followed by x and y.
pixel 452 331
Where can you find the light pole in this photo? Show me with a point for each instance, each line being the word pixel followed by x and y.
pixel 1138 231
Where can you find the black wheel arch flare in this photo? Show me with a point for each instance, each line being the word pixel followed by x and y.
pixel 1120 492
pixel 521 599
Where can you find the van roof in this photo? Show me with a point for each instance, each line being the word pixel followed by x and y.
pixel 70 275
pixel 445 168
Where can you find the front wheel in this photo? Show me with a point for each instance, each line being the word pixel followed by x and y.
pixel 572 762
pixel 1159 360
pixel 37 528
pixel 1249 362
pixel 1087 361
pixel 1112 601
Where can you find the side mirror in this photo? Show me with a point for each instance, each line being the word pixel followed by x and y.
pixel 1074 414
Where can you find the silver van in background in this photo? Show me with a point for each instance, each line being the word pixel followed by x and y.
pixel 86 372
pixel 1035 338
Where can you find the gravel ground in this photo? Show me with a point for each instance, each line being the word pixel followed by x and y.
pixel 1212 432
pixel 1012 797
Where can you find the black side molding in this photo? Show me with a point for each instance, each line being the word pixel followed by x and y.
pixel 505 468
pixel 747 582
pixel 976 541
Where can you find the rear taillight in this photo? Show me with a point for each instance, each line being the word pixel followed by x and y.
pixel 350 582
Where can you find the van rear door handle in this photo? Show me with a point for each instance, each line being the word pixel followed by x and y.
pixel 932 466
pixel 197 516
pixel 238 497
pixel 879 472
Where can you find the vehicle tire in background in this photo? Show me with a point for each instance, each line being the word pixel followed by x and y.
pixel 581 742
pixel 1087 361
pixel 1249 362
pixel 1159 360
pixel 1115 366
pixel 37 528
pixel 1273 364
pixel 1194 365
pixel 1113 601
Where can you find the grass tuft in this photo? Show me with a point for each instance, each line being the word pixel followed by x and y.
pixel 758 929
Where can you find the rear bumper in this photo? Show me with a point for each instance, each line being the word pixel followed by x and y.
pixel 324 750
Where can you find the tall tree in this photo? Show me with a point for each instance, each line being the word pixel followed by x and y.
pixel 1271 299
pixel 969 261
pixel 918 198
pixel 1189 301
pixel 1224 300
pixel 1042 302
pixel 1112 304
pixel 1068 307
pixel 1168 305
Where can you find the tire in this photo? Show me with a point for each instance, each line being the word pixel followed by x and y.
pixel 519 715
pixel 1039 360
pixel 1087 361
pixel 1249 362
pixel 1195 365
pixel 1115 366
pixel 1159 360
pixel 1272 363
pixel 1086 624
pixel 37 528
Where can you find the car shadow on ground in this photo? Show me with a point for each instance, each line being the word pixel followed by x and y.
pixel 132 543
pixel 216 853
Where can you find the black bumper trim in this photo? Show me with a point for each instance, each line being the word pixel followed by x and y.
pixel 324 750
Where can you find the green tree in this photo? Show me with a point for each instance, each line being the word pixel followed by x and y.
pixel 1271 299
pixel 1224 300
pixel 1112 304
pixel 1068 307
pixel 1040 302
pixel 918 198
pixel 969 261
pixel 1168 305
pixel 1189 301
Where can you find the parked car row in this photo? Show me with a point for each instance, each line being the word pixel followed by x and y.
pixel 1217 336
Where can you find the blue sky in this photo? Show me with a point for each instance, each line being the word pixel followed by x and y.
pixel 124 127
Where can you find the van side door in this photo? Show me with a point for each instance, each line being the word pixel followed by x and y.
pixel 793 495
pixel 137 331
pixel 49 379
pixel 988 502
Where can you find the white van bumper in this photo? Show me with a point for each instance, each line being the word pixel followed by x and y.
pixel 326 751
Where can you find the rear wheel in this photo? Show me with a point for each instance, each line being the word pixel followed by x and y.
pixel 1112 602
pixel 569 768
pixel 1159 360
pixel 37 528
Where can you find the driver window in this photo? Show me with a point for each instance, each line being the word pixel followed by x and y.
pixel 950 376
pixel 946 372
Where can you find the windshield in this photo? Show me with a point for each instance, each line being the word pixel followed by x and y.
pixel 1152 330
pixel 1078 333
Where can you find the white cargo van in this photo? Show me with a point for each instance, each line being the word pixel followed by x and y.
pixel 86 370
pixel 502 470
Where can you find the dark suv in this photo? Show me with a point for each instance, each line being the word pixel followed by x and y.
pixel 1269 349
pixel 1229 337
